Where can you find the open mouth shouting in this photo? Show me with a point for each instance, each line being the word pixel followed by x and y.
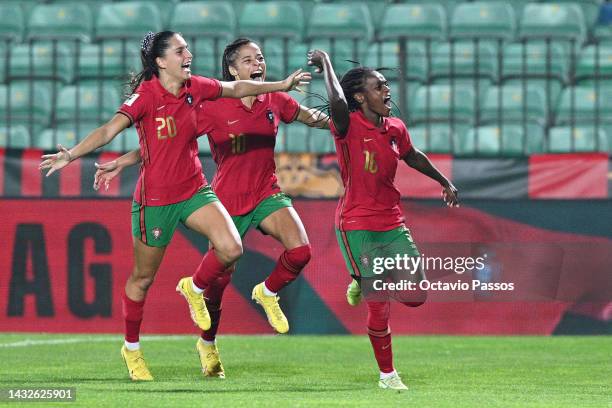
pixel 257 75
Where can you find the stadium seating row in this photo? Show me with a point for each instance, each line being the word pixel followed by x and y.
pixel 89 20
pixel 445 108
pixel 506 140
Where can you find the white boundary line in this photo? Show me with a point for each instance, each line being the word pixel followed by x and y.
pixel 87 339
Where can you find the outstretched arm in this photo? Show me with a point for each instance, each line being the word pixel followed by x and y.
pixel 420 162
pixel 106 172
pixel 97 138
pixel 313 118
pixel 337 100
pixel 240 89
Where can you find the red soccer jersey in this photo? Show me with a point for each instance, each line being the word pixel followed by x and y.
pixel 368 157
pixel 167 129
pixel 242 144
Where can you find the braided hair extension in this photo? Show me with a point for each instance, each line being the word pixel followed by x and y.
pixel 152 46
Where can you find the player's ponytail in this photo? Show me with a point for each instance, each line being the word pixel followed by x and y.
pixel 152 46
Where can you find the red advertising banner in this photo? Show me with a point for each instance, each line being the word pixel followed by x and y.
pixel 63 266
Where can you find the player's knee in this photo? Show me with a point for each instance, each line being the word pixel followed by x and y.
pixel 142 281
pixel 230 252
pixel 418 299
pixel 299 257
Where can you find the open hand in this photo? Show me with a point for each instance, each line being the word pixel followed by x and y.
pixel 296 79
pixel 450 195
pixel 105 173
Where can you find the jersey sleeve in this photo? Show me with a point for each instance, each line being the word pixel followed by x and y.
pixel 404 143
pixel 134 107
pixel 334 131
pixel 288 107
pixel 207 88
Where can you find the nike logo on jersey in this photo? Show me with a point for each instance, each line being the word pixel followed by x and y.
pixel 231 122
pixel 367 140
pixel 161 107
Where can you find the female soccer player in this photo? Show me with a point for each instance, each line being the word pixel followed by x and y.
pixel 242 136
pixel 369 221
pixel 171 186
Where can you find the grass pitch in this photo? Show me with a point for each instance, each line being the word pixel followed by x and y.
pixel 301 371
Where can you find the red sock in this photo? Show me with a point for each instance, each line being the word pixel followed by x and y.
pixel 213 296
pixel 380 334
pixel 288 267
pixel 132 315
pixel 209 269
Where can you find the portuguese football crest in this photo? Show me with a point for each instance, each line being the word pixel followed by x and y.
pixel 156 233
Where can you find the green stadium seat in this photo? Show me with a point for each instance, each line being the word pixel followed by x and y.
pixel 485 20
pixel 281 60
pixel 340 20
pixel 130 139
pixel 12 23
pixel 480 86
pixel 432 138
pixel 564 21
pixel 50 138
pixel 30 105
pixel 107 60
pixel 15 137
pixel 508 140
pixel 415 21
pixel 203 145
pixel 296 137
pixel 590 8
pixel 585 101
pixel 321 140
pixel 603 34
pixel 3 57
pixel 272 19
pixel 468 59
pixel 553 86
pixel 94 103
pixel 585 139
pixel 514 106
pixel 71 20
pixel 207 55
pixel 204 18
pixel 387 54
pixel 127 20
pixel 442 105
pixel 341 52
pixel 595 61
pixel 535 57
pixel 37 62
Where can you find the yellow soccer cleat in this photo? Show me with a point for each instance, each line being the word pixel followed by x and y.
pixel 210 361
pixel 137 368
pixel 353 293
pixel 275 315
pixel 392 383
pixel 197 306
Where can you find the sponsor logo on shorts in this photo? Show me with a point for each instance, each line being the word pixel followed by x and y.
pixel 156 233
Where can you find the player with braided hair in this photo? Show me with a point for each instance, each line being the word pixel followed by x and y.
pixel 171 186
pixel 369 221
pixel 242 136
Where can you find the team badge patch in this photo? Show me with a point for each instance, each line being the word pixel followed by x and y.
pixel 270 116
pixel 189 99
pixel 131 99
pixel 365 260
pixel 156 233
pixel 394 145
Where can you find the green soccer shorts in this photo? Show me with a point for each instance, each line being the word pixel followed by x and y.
pixel 155 225
pixel 261 212
pixel 365 251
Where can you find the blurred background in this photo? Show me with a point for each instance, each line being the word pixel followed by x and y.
pixel 512 100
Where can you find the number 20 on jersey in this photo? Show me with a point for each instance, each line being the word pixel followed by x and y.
pixel 166 127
